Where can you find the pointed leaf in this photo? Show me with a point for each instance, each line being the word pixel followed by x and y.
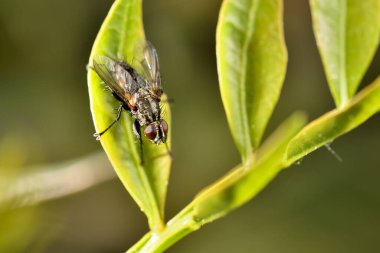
pixel 252 60
pixel 347 32
pixel 117 38
pixel 336 123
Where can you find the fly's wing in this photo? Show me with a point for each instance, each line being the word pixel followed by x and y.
pixel 115 76
pixel 149 67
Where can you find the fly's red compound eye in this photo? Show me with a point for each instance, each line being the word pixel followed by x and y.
pixel 164 126
pixel 150 132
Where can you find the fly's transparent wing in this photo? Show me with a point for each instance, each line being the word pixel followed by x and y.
pixel 115 75
pixel 148 66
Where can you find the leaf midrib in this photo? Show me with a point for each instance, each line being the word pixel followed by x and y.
pixel 243 97
pixel 148 186
pixel 342 53
pixel 153 206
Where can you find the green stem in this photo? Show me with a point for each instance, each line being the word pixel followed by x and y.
pixel 227 193
pixel 181 225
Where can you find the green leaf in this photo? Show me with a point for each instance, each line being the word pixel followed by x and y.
pixel 117 38
pixel 335 123
pixel 347 32
pixel 252 58
pixel 248 179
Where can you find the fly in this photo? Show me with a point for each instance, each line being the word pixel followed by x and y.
pixel 139 92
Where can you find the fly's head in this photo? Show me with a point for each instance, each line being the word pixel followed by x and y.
pixel 157 131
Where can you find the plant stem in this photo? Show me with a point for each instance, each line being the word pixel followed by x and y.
pixel 34 185
pixel 178 227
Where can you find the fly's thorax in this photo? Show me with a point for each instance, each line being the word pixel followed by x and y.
pixel 147 108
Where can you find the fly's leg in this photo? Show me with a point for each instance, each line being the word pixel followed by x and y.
pixel 97 135
pixel 137 132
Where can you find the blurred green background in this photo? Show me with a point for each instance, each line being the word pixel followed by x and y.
pixel 319 205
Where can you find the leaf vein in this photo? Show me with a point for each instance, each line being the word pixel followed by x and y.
pixel 342 53
pixel 243 97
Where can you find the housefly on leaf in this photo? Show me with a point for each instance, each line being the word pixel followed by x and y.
pixel 139 90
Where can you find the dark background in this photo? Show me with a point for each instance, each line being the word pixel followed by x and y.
pixel 320 205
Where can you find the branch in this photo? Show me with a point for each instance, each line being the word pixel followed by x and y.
pixel 50 182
